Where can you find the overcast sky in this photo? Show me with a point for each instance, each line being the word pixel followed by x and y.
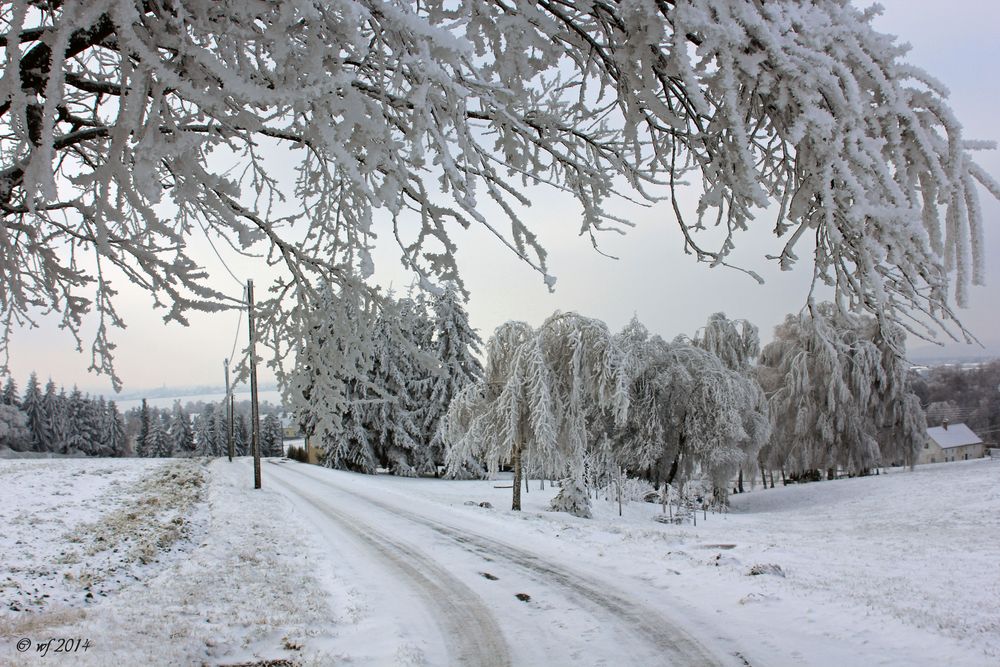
pixel 958 42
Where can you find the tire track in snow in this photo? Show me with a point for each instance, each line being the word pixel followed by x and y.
pixel 674 645
pixel 476 638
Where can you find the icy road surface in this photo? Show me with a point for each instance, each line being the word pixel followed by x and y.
pixel 461 596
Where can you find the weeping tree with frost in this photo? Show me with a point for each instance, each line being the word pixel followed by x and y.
pixel 538 388
pixel 838 394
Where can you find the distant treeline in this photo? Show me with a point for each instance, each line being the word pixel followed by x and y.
pixel 969 395
pixel 54 421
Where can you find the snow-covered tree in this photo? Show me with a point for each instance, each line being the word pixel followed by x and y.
pixel 417 111
pixel 836 385
pixel 9 394
pixel 181 433
pixel 158 443
pixel 115 441
pixel 206 438
pixel 272 437
pixel 241 432
pixel 145 423
pixel 327 389
pixel 735 342
pixel 38 419
pixel 14 432
pixel 689 412
pixel 398 380
pixel 82 431
pixel 56 406
pixel 537 390
pixel 456 347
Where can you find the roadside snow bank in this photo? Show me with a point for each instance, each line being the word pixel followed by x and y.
pixel 203 568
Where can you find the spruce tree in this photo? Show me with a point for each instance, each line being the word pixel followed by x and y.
pixel 181 433
pixel 114 436
pixel 272 437
pixel 396 375
pixel 157 441
pixel 56 408
pixel 38 419
pixel 241 435
pixel 80 426
pixel 456 346
pixel 145 424
pixel 205 436
pixel 9 395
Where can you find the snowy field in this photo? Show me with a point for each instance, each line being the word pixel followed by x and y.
pixel 176 562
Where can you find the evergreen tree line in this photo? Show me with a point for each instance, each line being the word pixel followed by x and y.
pixel 163 433
pixel 373 379
pixel 56 422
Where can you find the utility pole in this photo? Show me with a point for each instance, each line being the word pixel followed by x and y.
pixel 254 415
pixel 229 413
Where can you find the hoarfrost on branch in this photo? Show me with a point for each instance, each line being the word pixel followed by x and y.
pixel 130 127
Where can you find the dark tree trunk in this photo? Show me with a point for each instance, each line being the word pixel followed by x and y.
pixel 739 481
pixel 516 463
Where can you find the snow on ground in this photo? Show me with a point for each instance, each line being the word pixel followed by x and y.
pixel 187 564
pixel 202 573
pixel 896 569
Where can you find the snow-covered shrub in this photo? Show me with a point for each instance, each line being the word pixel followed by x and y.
pixel 572 498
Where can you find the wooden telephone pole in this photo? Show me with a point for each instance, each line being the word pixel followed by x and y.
pixel 229 414
pixel 254 416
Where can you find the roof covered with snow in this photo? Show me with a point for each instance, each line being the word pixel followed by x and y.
pixel 956 435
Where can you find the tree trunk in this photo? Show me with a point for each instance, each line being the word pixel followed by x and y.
pixel 739 481
pixel 772 479
pixel 673 468
pixel 784 482
pixel 516 463
pixel 763 476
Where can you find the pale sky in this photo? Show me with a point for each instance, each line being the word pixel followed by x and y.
pixel 957 42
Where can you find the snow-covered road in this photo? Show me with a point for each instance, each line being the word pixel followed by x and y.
pixel 457 593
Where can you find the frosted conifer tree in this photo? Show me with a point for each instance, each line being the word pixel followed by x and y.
pixel 327 387
pixel 456 348
pixel 398 376
pixel 14 431
pixel 272 437
pixel 181 433
pixel 115 441
pixel 241 433
pixel 158 444
pixel 56 408
pixel 145 423
pixel 205 436
pixel 9 395
pixel 80 424
pixel 418 111
pixel 38 418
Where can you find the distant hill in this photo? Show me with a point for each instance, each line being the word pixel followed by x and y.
pixel 949 353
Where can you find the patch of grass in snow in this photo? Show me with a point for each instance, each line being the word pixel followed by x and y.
pixel 94 558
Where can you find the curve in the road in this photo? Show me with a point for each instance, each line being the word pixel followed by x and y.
pixel 675 645
pixel 475 637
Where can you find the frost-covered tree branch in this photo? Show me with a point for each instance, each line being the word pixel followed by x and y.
pixel 130 127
